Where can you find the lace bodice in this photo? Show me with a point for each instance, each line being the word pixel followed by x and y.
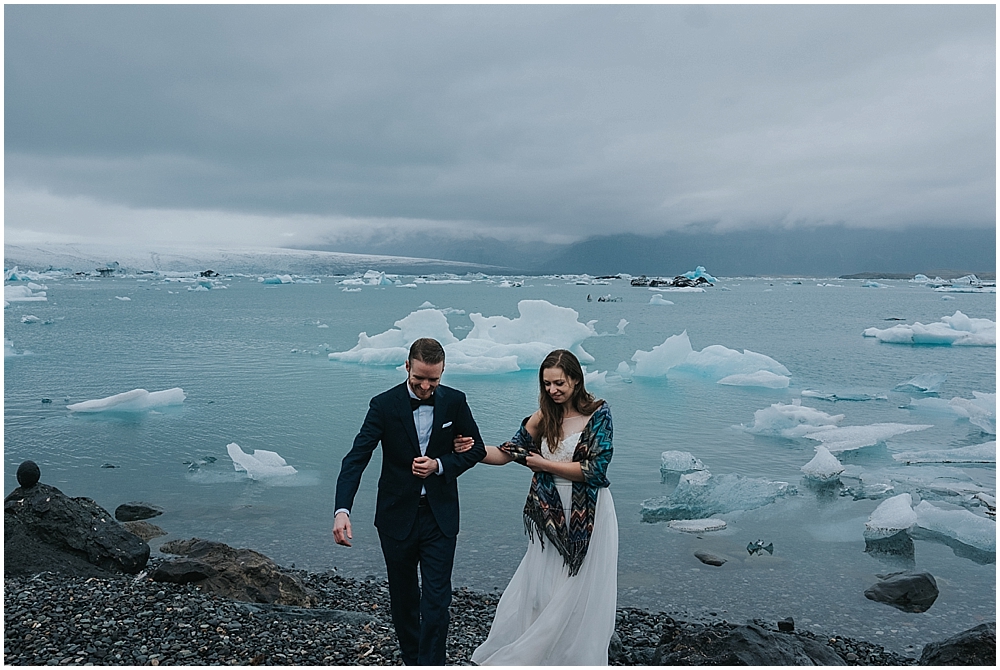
pixel 564 452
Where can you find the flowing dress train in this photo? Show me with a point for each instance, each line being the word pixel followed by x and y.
pixel 547 617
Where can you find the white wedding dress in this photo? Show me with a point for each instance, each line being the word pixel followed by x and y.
pixel 546 617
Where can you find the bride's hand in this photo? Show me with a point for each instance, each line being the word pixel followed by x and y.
pixel 535 462
pixel 462 444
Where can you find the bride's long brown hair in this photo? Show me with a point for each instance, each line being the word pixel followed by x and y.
pixel 552 412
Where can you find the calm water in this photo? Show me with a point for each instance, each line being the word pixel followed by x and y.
pixel 232 352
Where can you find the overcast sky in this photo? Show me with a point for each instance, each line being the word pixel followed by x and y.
pixel 290 126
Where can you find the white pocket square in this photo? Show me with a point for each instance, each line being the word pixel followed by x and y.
pixel 446 424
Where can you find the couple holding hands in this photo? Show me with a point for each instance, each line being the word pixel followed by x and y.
pixel 559 607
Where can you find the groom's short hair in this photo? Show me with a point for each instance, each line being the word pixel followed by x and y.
pixel 428 350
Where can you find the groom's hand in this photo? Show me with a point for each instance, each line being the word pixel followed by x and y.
pixel 424 467
pixel 342 529
pixel 462 444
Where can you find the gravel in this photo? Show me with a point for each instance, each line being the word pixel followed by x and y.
pixel 51 619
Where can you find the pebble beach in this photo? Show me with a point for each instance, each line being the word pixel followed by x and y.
pixel 131 620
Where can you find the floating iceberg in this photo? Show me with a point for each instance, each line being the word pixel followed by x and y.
pixel 658 299
pixel 496 344
pixel 791 421
pixel 960 524
pixel 977 453
pixel 679 461
pixel 762 378
pixel 701 494
pixel 22 294
pixel 873 284
pixel 30 318
pixel 929 382
pixel 714 361
pixel 848 438
pixel 700 272
pixel 890 517
pixel 956 330
pixel 139 400
pixel 262 464
pixel 624 371
pixel 824 467
pixel 123 298
pixel 980 411
pixel 697 525
pixel 276 279
pixel 853 396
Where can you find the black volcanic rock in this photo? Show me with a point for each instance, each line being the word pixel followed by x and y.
pixel 137 511
pixel 976 646
pixel 44 529
pixel 906 591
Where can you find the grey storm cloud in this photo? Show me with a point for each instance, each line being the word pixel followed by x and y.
pixel 572 120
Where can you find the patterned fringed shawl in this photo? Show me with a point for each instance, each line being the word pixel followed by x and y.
pixel 543 511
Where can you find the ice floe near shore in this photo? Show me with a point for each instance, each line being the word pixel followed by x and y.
pixel 893 515
pixel 262 464
pixel 958 524
pixel 849 438
pixel 955 330
pixel 791 421
pixel 496 344
pixel 976 453
pixel 138 400
pixel 928 382
pixel 824 467
pixel 761 378
pixel 701 494
pixel 981 410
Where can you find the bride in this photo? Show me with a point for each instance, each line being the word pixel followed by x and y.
pixel 559 608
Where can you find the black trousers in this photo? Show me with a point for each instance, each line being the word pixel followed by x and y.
pixel 420 609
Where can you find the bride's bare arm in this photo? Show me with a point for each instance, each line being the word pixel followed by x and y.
pixel 493 455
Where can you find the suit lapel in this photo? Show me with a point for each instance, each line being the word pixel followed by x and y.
pixel 406 416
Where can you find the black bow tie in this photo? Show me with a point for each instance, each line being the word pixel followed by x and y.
pixel 417 402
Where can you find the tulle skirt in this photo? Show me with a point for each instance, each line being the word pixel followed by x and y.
pixel 546 617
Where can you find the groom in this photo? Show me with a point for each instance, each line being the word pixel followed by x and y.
pixel 416 512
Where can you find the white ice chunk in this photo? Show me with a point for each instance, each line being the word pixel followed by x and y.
pixel 30 318
pixel 123 298
pixel 890 517
pixel 791 421
pixel 495 345
pixel 674 351
pixel 960 524
pixel 276 279
pixel 697 525
pixel 848 438
pixel 700 495
pixel 658 299
pixel 824 466
pixel 22 294
pixel 427 305
pixel 762 378
pixel 679 461
pixel 957 329
pixel 621 326
pixel 928 382
pixel 138 400
pixel 980 411
pixel 717 361
pixel 873 284
pixel 920 279
pixel 624 371
pixel 977 453
pixel 262 464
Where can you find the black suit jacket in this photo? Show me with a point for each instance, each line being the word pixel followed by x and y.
pixel 390 421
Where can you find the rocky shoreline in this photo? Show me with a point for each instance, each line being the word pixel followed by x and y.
pixel 52 619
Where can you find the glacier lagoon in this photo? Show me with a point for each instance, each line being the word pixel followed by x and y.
pixel 252 360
